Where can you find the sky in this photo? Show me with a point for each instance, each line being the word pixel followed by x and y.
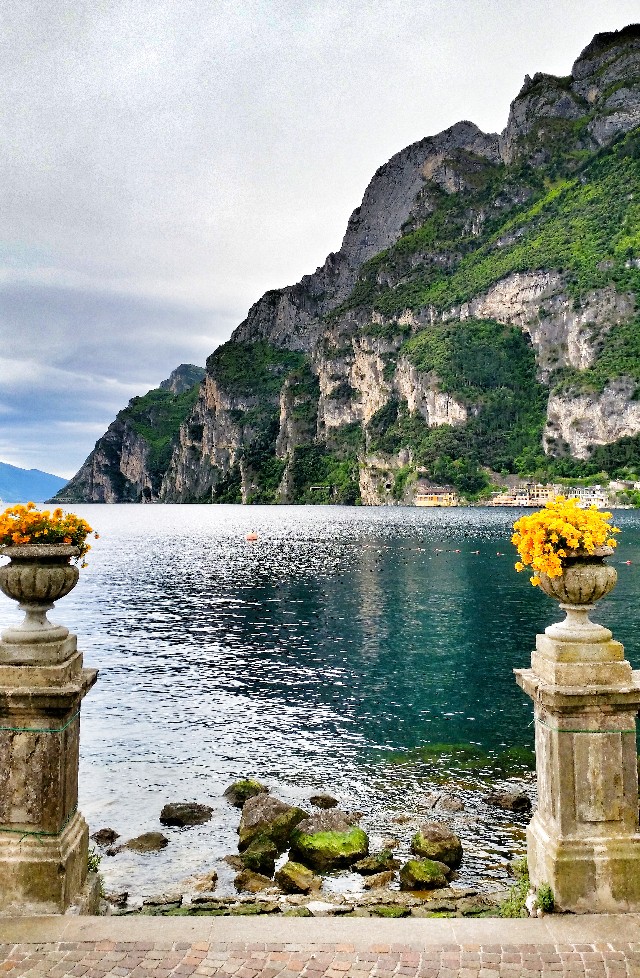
pixel 165 163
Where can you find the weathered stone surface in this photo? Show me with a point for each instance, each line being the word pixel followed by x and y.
pixel 147 842
pixel 584 838
pixel 423 874
pixel 240 791
pixel 329 840
pixel 202 882
pixel 379 880
pixel 118 900
pixel 163 899
pixel 260 856
pixel 295 878
pixel 42 684
pixel 323 801
pixel 378 862
pixel 105 837
pixel 298 912
pixel 437 841
pixel 251 882
pixel 182 813
pixel 389 910
pixel 512 801
pixel 268 818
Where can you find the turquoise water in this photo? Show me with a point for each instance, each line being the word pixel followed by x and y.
pixel 367 652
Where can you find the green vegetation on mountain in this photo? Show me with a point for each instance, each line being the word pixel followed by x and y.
pixel 587 225
pixel 156 417
pixel 252 369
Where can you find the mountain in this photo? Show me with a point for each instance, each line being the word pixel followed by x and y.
pixel 128 463
pixel 24 485
pixel 480 319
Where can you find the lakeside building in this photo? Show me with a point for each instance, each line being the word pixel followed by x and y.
pixel 428 495
pixel 535 495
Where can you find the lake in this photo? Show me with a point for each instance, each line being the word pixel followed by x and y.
pixel 367 652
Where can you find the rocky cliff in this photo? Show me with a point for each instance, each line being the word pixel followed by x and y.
pixel 481 316
pixel 129 461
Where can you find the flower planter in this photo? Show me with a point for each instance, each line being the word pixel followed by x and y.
pixel 37 575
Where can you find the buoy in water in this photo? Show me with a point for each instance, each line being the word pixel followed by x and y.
pixel 252 537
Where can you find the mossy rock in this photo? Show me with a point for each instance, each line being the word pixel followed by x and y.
pixel 295 878
pixel 252 909
pixel 389 910
pixel 433 840
pixel 260 856
pixel 240 791
pixel 298 912
pixel 266 817
pixel 423 874
pixel 249 882
pixel 379 862
pixel 330 850
pixel 329 840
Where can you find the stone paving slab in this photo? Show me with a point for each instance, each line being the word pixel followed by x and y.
pixel 102 947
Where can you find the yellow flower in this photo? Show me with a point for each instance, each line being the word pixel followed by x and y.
pixel 544 538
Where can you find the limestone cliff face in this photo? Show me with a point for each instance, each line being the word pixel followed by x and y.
pixel 564 333
pixel 128 463
pixel 580 423
pixel 292 317
pixel 354 376
pixel 604 82
pixel 115 472
pixel 422 396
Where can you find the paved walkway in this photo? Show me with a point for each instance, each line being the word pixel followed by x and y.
pixel 267 947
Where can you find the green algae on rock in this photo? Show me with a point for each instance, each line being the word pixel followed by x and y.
pixel 434 840
pixel 329 840
pixel 423 874
pixel 260 856
pixel 378 862
pixel 295 878
pixel 266 817
pixel 240 791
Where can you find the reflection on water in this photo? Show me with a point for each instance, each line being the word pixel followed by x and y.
pixel 335 653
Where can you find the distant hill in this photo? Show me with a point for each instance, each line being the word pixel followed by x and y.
pixel 22 485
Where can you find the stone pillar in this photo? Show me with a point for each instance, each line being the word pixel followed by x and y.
pixel 584 838
pixel 43 837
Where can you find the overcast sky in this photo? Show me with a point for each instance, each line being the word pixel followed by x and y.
pixel 165 162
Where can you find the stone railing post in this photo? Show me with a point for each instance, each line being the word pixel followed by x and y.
pixel 584 838
pixel 43 836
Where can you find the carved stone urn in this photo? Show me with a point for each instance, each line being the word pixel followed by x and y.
pixel 584 581
pixel 37 575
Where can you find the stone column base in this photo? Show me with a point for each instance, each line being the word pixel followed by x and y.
pixel 587 875
pixel 42 874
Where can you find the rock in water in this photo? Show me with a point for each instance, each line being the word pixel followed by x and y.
pixel 379 862
pixel 511 801
pixel 329 840
pixel 105 837
pixel 260 856
pixel 436 841
pixel 240 791
pixel 323 801
pixel 423 874
pixel 250 882
pixel 147 842
pixel 182 813
pixel 379 880
pixel 268 818
pixel 295 878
